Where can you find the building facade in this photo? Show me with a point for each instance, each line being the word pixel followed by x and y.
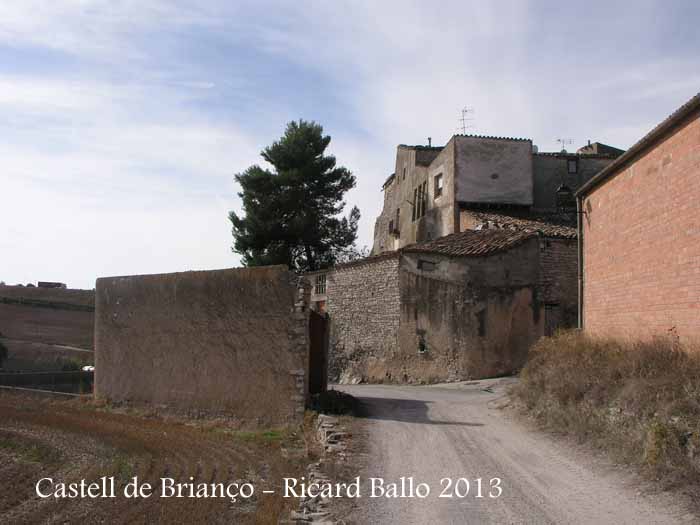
pixel 430 186
pixel 466 305
pixel 640 236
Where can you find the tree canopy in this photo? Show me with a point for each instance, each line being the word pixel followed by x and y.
pixel 292 214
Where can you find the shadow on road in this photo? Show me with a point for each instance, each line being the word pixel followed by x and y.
pixel 404 410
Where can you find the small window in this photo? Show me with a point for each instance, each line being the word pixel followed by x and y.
pixel 391 226
pixel 420 197
pixel 481 319
pixel 321 283
pixel 415 204
pixel 438 185
pixel 572 166
pixel 426 266
pixel 403 177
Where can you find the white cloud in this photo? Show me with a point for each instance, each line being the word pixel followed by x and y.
pixel 124 166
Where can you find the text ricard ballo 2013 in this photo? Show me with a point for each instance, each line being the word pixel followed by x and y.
pixel 404 487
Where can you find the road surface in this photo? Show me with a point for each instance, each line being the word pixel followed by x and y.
pixel 461 431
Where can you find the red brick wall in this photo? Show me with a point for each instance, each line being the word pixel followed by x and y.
pixel 641 243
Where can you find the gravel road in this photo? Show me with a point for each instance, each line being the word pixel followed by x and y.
pixel 459 431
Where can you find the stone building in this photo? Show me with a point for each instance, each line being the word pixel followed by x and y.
pixel 474 258
pixel 640 235
pixel 466 305
pixel 430 188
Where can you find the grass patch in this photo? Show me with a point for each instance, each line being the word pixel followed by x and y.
pixel 28 450
pixel 263 436
pixel 638 400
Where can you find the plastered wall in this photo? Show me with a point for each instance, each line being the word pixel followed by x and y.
pixel 231 341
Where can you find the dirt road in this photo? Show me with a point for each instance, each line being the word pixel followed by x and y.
pixel 431 433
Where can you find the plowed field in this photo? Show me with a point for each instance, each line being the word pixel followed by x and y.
pixel 70 440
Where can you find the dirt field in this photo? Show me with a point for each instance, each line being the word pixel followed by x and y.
pixel 57 295
pixel 44 336
pixel 69 440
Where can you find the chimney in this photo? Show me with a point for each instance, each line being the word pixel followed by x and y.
pixel 430 141
pixel 589 142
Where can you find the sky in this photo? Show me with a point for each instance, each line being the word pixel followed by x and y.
pixel 123 123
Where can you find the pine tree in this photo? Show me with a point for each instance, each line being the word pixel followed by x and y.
pixel 292 214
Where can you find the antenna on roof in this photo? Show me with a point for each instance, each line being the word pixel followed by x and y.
pixel 465 121
pixel 563 143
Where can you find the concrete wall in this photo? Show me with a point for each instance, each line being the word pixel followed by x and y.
pixel 641 243
pixel 439 216
pixel 227 341
pixel 492 170
pixel 364 309
pixel 551 170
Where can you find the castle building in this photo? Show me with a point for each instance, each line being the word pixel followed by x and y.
pixel 474 258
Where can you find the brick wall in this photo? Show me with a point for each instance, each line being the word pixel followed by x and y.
pixel 363 304
pixel 229 342
pixel 641 243
pixel 558 284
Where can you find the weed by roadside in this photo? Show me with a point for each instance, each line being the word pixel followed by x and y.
pixel 638 400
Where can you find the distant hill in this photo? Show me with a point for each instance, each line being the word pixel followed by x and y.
pixel 50 295
pixel 44 327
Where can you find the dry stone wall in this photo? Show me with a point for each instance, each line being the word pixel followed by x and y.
pixel 364 308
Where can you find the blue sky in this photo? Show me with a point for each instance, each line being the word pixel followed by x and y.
pixel 123 123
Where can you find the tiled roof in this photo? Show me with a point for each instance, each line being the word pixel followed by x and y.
pixel 548 225
pixel 520 139
pixel 649 140
pixel 471 243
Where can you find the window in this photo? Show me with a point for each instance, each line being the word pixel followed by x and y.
pixel 572 166
pixel 426 266
pixel 321 283
pixel 481 320
pixel 391 226
pixel 420 195
pixel 438 185
pixel 415 204
pixel 403 177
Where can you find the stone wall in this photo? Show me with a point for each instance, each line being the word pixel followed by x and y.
pixel 225 341
pixel 641 242
pixel 467 317
pixel 363 305
pixel 407 317
pixel 414 167
pixel 558 282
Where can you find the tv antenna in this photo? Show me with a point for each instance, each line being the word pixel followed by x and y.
pixel 465 122
pixel 564 142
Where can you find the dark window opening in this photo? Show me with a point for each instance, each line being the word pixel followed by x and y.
pixel 403 177
pixel 415 204
pixel 438 185
pixel 321 283
pixel 572 166
pixel 426 266
pixel 481 319
pixel 420 198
